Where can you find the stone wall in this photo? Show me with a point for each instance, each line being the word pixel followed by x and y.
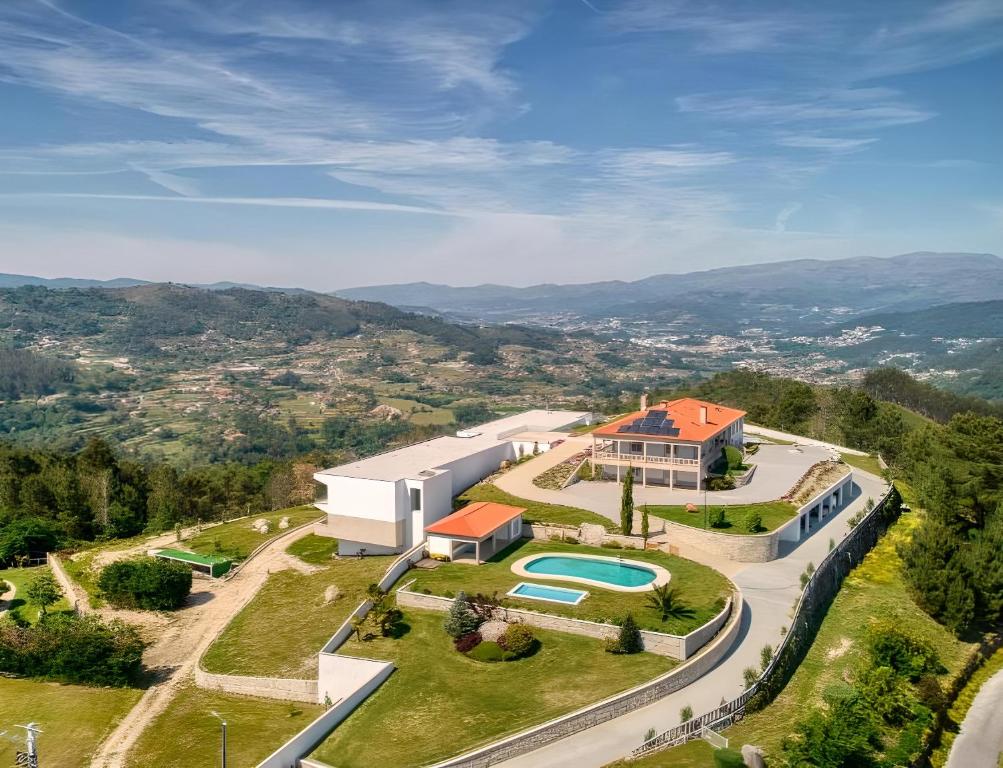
pixel 265 687
pixel 608 709
pixel 660 643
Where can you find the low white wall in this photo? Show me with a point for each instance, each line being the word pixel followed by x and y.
pixel 285 689
pixel 660 643
pixel 342 676
pixel 304 742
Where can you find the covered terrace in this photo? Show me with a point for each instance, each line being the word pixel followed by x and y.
pixel 475 532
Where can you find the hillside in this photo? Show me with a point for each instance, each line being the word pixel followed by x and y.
pixel 908 281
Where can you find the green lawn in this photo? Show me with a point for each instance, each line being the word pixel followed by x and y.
pixel 19 606
pixel 314 549
pixel 536 512
pixel 875 589
pixel 701 588
pixel 238 539
pixel 866 463
pixel 280 631
pixel 773 513
pixel 187 733
pixel 74 718
pixel 447 703
pixel 693 754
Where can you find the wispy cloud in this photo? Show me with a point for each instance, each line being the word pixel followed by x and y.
pixel 827 143
pixel 780 225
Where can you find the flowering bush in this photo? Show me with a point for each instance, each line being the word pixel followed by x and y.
pixel 467 642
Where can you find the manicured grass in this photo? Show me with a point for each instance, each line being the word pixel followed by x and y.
pixel 19 606
pixel 699 587
pixel 866 463
pixel 874 590
pixel 536 512
pixel 314 549
pixel 238 539
pixel 447 703
pixel 187 733
pixel 692 754
pixel 280 631
pixel 956 714
pixel 74 718
pixel 773 513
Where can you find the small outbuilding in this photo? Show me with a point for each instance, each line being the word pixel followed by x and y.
pixel 475 532
pixel 210 565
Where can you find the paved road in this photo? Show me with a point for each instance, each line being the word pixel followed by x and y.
pixel 770 590
pixel 980 740
pixel 776 434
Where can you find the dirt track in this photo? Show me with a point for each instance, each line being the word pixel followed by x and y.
pixel 183 636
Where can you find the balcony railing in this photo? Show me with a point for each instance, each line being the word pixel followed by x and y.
pixel 642 459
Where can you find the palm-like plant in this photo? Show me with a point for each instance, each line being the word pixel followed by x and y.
pixel 665 600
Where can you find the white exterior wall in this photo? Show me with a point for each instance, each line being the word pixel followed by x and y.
pixel 436 503
pixel 470 470
pixel 358 497
pixel 440 546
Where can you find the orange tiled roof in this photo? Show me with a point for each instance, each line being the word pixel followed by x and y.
pixel 685 414
pixel 476 520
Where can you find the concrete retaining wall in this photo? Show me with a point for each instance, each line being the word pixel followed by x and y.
pixel 751 548
pixel 304 742
pixel 608 709
pixel 660 643
pixel 265 687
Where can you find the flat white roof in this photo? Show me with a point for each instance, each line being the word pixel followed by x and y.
pixel 409 461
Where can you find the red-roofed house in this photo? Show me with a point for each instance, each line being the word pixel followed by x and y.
pixel 480 528
pixel 673 443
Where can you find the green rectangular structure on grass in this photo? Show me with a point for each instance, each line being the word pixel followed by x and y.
pixel 213 565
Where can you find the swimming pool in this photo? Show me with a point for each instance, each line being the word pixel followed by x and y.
pixel 550 594
pixel 616 573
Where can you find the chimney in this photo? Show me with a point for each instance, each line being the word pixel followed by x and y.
pixel 703 414
pixel 644 401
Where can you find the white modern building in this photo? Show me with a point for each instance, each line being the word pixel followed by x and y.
pixel 384 503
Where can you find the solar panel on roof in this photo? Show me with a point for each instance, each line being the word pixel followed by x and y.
pixel 652 423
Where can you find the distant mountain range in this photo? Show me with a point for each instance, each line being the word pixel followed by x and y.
pixel 59 283
pixel 860 285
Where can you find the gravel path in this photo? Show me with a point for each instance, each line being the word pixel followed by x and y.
pixel 185 635
pixel 980 740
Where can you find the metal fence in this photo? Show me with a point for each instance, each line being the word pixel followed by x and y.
pixel 811 609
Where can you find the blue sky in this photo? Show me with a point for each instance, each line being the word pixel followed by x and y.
pixel 333 144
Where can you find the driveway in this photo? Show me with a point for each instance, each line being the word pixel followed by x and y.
pixel 770 590
pixel 779 467
pixel 980 740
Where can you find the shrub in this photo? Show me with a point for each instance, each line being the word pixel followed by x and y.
pixel 629 639
pixel 750 675
pixel 728 758
pixel 43 591
pixel 765 656
pixel 722 483
pixel 611 544
pixel 907 655
pixel 518 640
pixel 733 456
pixel 72 649
pixel 754 522
pixel 148 583
pixel 686 714
pixel 461 619
pixel 931 693
pixel 487 651
pixel 718 518
pixel 467 642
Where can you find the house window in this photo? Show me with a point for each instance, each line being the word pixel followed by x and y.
pixel 415 499
pixel 636 448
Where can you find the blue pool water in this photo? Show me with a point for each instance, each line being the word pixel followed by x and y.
pixel 553 594
pixel 606 571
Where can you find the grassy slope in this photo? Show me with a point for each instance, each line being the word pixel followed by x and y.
pixel 447 703
pixel 536 512
pixel 74 718
pixel 187 734
pixel 773 513
pixel 270 638
pixel 19 606
pixel 238 539
pixel 314 549
pixel 875 589
pixel 867 463
pixel 700 587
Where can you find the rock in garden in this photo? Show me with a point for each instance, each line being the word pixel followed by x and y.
pixel 492 630
pixel 331 594
pixel 753 756
pixel 283 523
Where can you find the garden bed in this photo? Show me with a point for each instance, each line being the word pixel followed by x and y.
pixel 772 514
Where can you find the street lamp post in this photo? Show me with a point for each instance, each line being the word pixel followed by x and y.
pixel 222 723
